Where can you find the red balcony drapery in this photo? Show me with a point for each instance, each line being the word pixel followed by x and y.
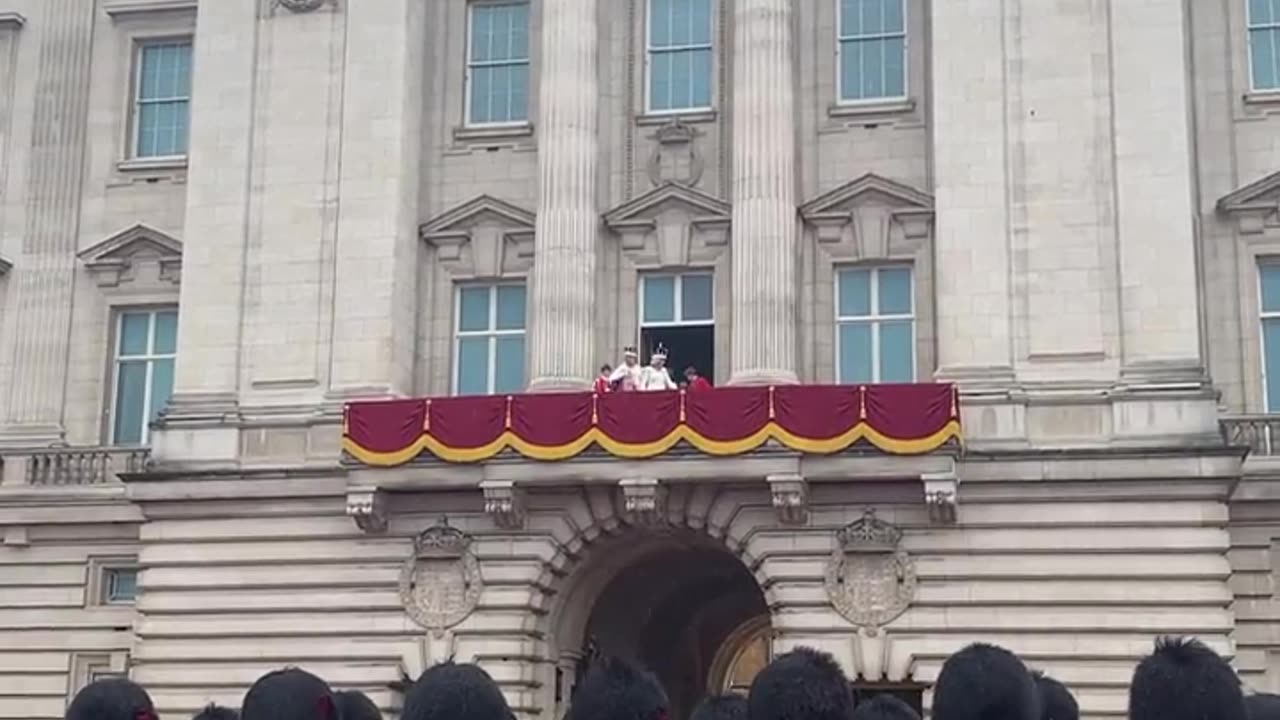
pixel 817 419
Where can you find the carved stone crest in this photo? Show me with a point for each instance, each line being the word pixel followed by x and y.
pixel 675 157
pixel 440 584
pixel 870 579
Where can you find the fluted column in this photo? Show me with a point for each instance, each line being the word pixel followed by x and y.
pixel 765 232
pixel 564 268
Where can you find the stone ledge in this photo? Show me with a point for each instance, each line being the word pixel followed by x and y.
pixel 117 8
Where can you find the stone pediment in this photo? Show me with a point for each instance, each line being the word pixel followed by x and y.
pixel 862 213
pixel 1255 206
pixel 667 220
pixel 115 259
pixel 488 232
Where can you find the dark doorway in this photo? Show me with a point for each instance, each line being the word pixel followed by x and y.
pixel 686 345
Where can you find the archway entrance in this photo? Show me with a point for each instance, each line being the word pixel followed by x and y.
pixel 684 608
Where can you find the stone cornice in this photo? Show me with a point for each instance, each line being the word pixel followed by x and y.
pixel 11 21
pixel 1253 205
pixel 487 224
pixel 674 214
pixel 120 8
pixel 834 213
pixel 110 259
pixel 640 209
pixel 5 266
pixel 900 195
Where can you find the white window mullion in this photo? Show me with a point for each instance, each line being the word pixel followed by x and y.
pixel 677 303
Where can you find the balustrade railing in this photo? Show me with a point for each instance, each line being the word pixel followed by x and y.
pixel 72 465
pixel 1260 433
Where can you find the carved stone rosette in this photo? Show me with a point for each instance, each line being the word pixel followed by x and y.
pixel 440 584
pixel 870 579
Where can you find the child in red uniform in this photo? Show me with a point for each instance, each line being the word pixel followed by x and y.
pixel 695 381
pixel 602 384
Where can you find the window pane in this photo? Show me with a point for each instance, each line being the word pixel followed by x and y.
pixel 161 387
pixel 149 76
pixel 473 366
pixel 659 299
pixel 130 401
pixel 519 43
pixel 850 17
pixel 855 353
pixel 508 373
pixel 872 68
pixel 1269 277
pixel 700 22
pixel 474 313
pixel 1265 58
pixel 873 16
pixel 122 585
pixel 700 78
pixel 481 93
pixel 893 21
pixel 895 291
pixel 511 312
pixel 518 96
pixel 660 23
pixel 680 22
pixel 855 293
pixel 134 328
pixel 895 76
pixel 850 70
pixel 660 71
pixel 1271 355
pixel 696 302
pixel 1259 12
pixel 166 339
pixel 481 32
pixel 897 361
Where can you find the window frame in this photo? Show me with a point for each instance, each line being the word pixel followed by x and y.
pixel 1249 27
pixel 140 44
pixel 841 39
pixel 875 319
pixel 677 305
pixel 491 333
pixel 116 359
pixel 98 585
pixel 1263 316
pixel 469 65
pixel 649 53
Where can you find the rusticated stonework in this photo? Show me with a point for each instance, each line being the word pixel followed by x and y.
pixel 440 584
pixel 870 579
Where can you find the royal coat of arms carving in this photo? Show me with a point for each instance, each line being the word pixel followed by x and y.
pixel 440 584
pixel 870 579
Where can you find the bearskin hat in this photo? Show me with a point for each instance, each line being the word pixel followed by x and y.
pixel 1184 678
pixel 453 691
pixel 884 707
pixel 984 682
pixel 289 694
pixel 216 712
pixel 1056 701
pixel 1262 706
pixel 614 689
pixel 112 699
pixel 729 706
pixel 355 705
pixel 803 683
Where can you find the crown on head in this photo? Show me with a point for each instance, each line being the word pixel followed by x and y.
pixel 441 540
pixel 869 534
pixel 660 351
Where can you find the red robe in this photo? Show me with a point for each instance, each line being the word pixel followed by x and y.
pixel 699 383
pixel 601 386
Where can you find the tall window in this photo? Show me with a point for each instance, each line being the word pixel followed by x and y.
pixel 146 342
pixel 498 63
pixel 162 99
pixel 875 325
pixel 679 55
pixel 1269 297
pixel 872 47
pixel 489 342
pixel 678 312
pixel 1264 44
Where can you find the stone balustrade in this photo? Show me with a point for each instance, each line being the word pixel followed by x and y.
pixel 1260 433
pixel 70 465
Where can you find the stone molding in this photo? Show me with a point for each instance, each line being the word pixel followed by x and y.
pixel 121 8
pixel 790 496
pixel 11 21
pixel 862 212
pixel 489 228
pixel 112 260
pixel 5 266
pixel 644 500
pixel 675 216
pixel 505 503
pixel 367 507
pixel 1254 207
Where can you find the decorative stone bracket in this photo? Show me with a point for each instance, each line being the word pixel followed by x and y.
pixel 367 506
pixel 644 499
pixel 504 502
pixel 790 494
pixel 941 495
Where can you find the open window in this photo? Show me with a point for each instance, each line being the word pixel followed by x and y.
pixel 677 311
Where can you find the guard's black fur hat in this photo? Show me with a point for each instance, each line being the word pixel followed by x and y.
pixel 1262 706
pixel 454 691
pixel 1184 680
pixel 803 684
pixel 355 705
pixel 884 707
pixel 984 682
pixel 729 706
pixel 614 689
pixel 112 699
pixel 1056 701
pixel 216 712
pixel 289 694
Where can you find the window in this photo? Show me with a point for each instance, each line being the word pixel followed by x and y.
pixel 498 63
pixel 146 342
pixel 875 325
pixel 1264 44
pixel 679 55
pixel 119 585
pixel 1269 297
pixel 162 99
pixel 489 354
pixel 872 50
pixel 678 312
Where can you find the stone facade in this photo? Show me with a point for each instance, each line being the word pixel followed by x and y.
pixel 1083 198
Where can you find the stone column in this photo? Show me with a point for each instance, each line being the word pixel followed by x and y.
pixel 562 341
pixel 43 280
pixel 764 225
